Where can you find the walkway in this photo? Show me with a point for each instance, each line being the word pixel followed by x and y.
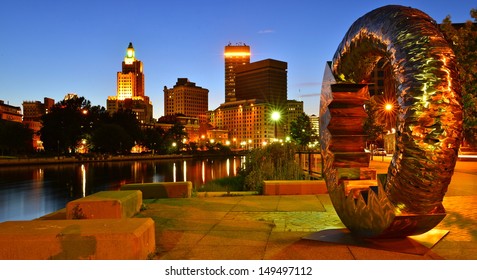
pixel 285 227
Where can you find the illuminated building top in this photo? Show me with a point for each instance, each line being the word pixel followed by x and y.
pixel 130 54
pixel 130 91
pixel 234 56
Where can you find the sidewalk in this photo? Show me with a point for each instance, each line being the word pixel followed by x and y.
pixel 285 227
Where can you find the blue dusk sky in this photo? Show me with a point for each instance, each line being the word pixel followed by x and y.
pixel 51 48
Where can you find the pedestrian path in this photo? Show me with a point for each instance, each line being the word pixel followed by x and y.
pixel 279 227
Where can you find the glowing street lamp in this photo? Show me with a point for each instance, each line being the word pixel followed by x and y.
pixel 388 107
pixel 275 118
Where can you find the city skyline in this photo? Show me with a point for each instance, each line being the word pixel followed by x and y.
pixel 52 48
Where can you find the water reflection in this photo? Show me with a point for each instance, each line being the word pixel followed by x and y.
pixel 28 192
pixel 83 179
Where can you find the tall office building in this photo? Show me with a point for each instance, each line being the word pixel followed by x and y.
pixel 265 80
pixel 253 93
pixel 186 98
pixel 234 55
pixel 130 90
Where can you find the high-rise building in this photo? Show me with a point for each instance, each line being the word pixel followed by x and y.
pixel 315 124
pixel 265 80
pixel 186 98
pixel 234 55
pixel 294 110
pixel 256 110
pixel 130 90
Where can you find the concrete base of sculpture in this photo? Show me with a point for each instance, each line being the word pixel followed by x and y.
pixel 162 189
pixel 294 187
pixel 416 245
pixel 105 205
pixel 101 239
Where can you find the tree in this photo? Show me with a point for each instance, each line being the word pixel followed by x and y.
pixel 174 137
pixel 373 129
pixel 463 39
pixel 15 138
pixel 65 125
pixel 112 138
pixel 127 119
pixel 153 139
pixel 301 130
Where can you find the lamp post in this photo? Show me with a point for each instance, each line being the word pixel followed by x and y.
pixel 275 118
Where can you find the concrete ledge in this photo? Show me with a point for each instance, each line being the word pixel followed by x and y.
pixel 162 189
pixel 105 205
pixel 101 239
pixel 294 187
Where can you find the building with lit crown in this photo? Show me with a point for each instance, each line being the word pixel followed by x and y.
pixel 130 90
pixel 254 91
pixel 234 55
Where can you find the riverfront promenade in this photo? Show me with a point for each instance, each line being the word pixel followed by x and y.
pixel 251 227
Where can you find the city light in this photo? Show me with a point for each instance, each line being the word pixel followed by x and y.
pixel 232 54
pixel 275 116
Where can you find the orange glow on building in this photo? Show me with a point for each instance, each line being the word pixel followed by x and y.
pixel 234 55
pixel 130 92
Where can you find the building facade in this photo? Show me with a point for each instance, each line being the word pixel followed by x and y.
pixel 191 127
pixel 294 110
pixel 34 110
pixel 188 99
pixel 315 124
pixel 234 55
pixel 32 113
pixel 248 122
pixel 10 113
pixel 130 89
pixel 265 80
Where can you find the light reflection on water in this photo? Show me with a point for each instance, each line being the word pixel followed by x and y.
pixel 29 192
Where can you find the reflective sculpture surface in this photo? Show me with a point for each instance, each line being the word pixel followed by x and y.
pixel 408 200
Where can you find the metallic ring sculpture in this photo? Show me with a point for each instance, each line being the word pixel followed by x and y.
pixel 408 200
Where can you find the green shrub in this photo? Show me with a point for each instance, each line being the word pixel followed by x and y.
pixel 273 162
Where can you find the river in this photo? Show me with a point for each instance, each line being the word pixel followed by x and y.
pixel 29 192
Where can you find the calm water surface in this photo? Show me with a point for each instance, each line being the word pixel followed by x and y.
pixel 29 192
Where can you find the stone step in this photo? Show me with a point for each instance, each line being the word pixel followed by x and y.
pixel 105 205
pixel 162 189
pixel 98 239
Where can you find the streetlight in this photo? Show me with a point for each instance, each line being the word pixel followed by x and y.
pixel 275 118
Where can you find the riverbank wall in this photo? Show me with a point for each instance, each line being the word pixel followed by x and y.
pixel 80 159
